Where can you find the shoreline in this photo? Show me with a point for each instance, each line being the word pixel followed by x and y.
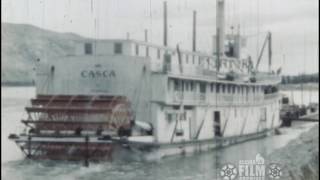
pixel 306 86
pixel 300 157
pixel 17 84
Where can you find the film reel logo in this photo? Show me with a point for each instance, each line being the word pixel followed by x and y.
pixel 274 171
pixel 228 172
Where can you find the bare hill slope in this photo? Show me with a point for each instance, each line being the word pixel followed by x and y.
pixel 23 44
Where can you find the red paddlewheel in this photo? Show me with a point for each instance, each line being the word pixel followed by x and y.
pixel 73 151
pixel 67 112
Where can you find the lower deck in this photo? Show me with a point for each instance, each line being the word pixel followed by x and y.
pixel 178 123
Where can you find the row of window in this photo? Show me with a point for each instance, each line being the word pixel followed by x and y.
pixel 188 59
pixel 195 59
pixel 184 85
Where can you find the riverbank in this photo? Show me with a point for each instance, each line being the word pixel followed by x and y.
pixel 300 158
pixel 17 84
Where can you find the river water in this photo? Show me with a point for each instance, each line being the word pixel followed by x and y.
pixel 193 167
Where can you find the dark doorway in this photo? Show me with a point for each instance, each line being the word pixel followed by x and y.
pixel 217 124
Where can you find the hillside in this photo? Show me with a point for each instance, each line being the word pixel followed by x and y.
pixel 23 44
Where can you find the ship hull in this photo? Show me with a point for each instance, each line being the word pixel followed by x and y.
pixel 99 149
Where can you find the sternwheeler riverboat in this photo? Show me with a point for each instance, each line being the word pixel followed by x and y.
pixel 133 99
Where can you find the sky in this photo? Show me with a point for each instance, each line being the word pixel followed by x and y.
pixel 294 23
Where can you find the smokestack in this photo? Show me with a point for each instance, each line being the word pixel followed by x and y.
pixel 220 26
pixel 194 32
pixel 165 24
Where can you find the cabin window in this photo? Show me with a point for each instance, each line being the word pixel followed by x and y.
pixel 158 53
pixel 117 48
pixel 137 49
pixel 187 58
pixel 229 88
pixel 187 84
pixel 192 86
pixel 88 48
pixel 199 60
pixel 169 85
pixel 217 88
pixel 176 85
pixel 169 117
pixel 212 87
pixel 233 89
pixel 223 88
pixel 202 87
pixel 193 57
pixel 167 61
pixel 182 85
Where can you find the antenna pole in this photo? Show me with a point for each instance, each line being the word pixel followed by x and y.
pixel 194 41
pixel 270 51
pixel 165 24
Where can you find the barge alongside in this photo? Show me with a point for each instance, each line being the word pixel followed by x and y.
pixel 133 99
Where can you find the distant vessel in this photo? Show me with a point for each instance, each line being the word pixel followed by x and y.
pixel 133 99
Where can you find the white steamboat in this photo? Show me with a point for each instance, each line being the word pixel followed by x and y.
pixel 126 98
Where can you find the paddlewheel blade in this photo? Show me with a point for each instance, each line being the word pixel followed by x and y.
pixel 56 118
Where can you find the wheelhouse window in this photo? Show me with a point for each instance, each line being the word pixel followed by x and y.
pixel 88 48
pixel 117 48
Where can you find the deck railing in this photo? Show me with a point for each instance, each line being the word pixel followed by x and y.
pixel 191 98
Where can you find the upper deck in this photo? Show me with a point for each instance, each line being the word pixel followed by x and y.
pixel 192 65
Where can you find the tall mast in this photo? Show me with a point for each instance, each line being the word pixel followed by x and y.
pixel 194 32
pixel 165 24
pixel 270 51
